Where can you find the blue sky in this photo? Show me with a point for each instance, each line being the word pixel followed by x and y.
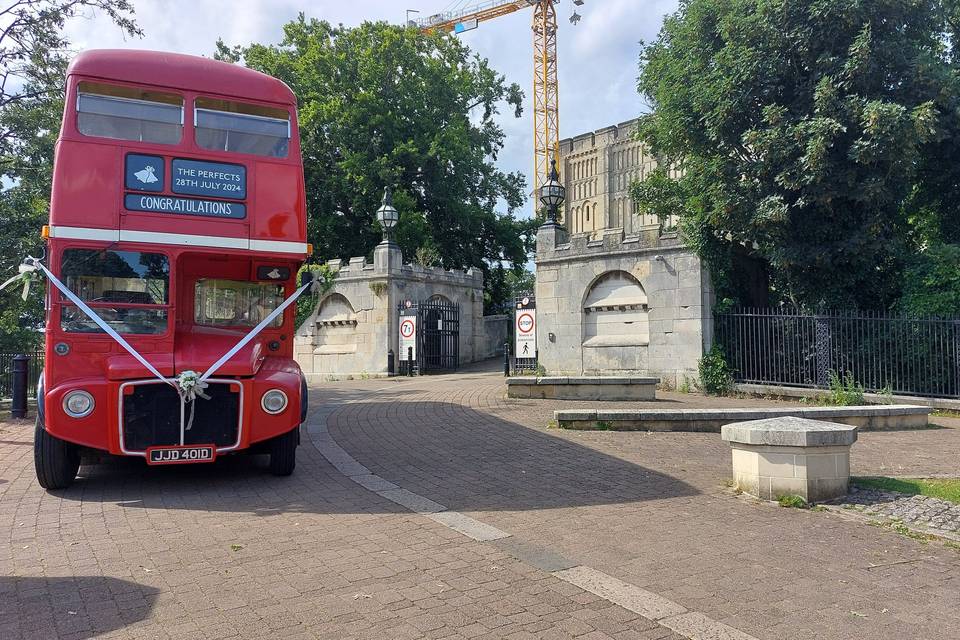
pixel 597 58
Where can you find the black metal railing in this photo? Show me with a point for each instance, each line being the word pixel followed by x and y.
pixel 883 352
pixel 34 367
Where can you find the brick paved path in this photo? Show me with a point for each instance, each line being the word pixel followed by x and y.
pixel 651 510
pixel 226 550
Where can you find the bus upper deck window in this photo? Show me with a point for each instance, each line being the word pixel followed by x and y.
pixel 127 113
pixel 242 128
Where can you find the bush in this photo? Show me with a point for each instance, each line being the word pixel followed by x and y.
pixel 931 283
pixel 716 377
pixel 845 391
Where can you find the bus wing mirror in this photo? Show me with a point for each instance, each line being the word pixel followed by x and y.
pixel 306 277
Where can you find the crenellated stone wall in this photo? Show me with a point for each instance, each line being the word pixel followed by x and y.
pixel 355 324
pixel 621 304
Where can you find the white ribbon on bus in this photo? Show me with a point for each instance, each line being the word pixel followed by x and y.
pixel 189 384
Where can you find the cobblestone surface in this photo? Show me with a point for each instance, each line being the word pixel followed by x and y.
pixel 933 514
pixel 651 509
pixel 228 551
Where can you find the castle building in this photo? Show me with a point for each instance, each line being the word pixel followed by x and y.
pixel 617 291
pixel 597 170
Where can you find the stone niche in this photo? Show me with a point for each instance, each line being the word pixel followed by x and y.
pixel 620 305
pixel 354 325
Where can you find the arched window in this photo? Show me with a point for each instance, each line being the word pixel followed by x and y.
pixel 336 326
pixel 615 312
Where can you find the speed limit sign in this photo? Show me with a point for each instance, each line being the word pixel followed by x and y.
pixel 408 337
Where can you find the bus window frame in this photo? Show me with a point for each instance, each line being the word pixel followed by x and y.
pixel 291 115
pixel 76 113
pixel 57 300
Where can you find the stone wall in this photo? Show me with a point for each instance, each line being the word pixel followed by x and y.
pixel 619 304
pixel 355 324
pixel 496 332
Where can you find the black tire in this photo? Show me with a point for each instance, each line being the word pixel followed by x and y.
pixel 283 453
pixel 56 461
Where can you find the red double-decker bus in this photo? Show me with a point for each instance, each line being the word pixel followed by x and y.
pixel 177 216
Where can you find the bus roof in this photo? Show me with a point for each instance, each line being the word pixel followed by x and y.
pixel 179 71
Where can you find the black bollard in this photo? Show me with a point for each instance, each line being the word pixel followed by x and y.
pixel 506 359
pixel 410 361
pixel 18 408
pixel 391 370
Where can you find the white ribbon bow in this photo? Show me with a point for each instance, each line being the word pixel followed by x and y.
pixel 24 274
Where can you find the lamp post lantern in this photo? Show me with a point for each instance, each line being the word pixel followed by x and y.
pixel 387 216
pixel 552 194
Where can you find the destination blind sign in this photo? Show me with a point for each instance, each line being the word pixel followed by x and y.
pixel 210 179
pixel 185 206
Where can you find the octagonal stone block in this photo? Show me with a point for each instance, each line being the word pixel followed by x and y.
pixel 791 456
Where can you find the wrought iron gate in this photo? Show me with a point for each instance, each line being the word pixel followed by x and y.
pixel 438 337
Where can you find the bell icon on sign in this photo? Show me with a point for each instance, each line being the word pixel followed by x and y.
pixel 146 175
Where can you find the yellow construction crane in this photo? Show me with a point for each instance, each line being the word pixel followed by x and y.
pixel 546 112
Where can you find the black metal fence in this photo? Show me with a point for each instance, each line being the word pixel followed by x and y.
pixel 34 367
pixel 883 352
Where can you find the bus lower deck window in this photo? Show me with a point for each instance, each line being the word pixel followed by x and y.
pixel 124 113
pixel 234 303
pixel 242 128
pixel 129 290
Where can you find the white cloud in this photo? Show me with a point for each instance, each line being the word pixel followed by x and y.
pixel 597 58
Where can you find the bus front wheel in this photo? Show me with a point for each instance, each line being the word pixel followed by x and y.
pixel 283 453
pixel 56 462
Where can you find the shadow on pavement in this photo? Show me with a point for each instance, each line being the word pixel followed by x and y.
pixel 71 606
pixel 469 460
pixel 462 458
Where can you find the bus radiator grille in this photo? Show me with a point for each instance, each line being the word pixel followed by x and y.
pixel 151 417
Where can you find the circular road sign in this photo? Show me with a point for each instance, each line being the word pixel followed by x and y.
pixel 525 323
pixel 407 328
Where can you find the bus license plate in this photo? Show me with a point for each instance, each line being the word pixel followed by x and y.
pixel 181 455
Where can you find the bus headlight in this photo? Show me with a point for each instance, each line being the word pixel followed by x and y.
pixel 274 401
pixel 78 404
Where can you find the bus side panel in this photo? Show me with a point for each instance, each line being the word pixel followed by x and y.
pixel 280 203
pixel 88 195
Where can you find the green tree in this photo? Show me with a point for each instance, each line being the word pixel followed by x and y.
pixel 802 128
pixel 34 54
pixel 931 283
pixel 386 105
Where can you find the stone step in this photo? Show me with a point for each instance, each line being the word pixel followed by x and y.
pixel 868 417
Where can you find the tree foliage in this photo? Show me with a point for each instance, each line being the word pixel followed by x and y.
pixel 386 105
pixel 807 132
pixel 931 283
pixel 34 54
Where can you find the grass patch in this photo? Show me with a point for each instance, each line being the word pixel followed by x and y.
pixel 945 488
pixel 603 425
pixel 792 502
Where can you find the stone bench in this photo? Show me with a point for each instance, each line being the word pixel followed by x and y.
pixel 612 388
pixel 868 417
pixel 791 456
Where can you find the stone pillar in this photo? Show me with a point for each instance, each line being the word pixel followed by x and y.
pixel 791 456
pixel 387 257
pixel 549 236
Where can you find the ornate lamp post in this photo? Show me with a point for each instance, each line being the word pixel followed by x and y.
pixel 552 194
pixel 387 216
